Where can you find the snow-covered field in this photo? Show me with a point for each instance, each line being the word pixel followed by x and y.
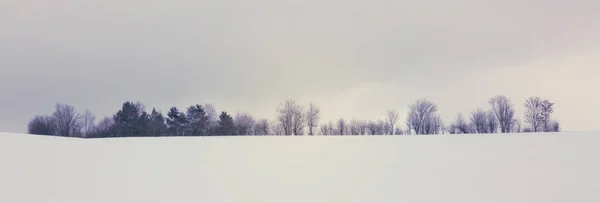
pixel 534 168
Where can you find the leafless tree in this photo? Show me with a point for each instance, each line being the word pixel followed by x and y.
pixel 354 127
pixel 433 125
pixel 504 111
pixel 212 115
pixel 291 118
pixel 41 125
pixel 262 127
pixel 533 111
pixel 312 118
pixel 516 127
pixel 460 126
pixel 554 126
pixel 537 113
pixel 244 124
pixel 358 127
pixel 422 118
pixel 277 128
pixel 372 128
pixel 398 131
pixel 479 121
pixel 492 122
pixel 140 107
pixel 105 128
pixel 362 125
pixel 87 121
pixel 67 120
pixel 391 118
pixel 324 129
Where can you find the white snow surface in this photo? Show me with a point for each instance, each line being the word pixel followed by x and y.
pixel 519 168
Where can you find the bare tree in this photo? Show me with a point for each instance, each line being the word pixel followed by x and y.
pixel 537 113
pixel 312 118
pixel 460 126
pixel 362 125
pixel 554 126
pixel 492 122
pixel 213 117
pixel 547 110
pixel 398 131
pixel 504 111
pixel 479 121
pixel 433 125
pixel 533 111
pixel 244 124
pixel 87 121
pixel 67 120
pixel 262 127
pixel 277 128
pixel 291 118
pixel 372 128
pixel 354 128
pixel 517 126
pixel 105 128
pixel 392 118
pixel 41 125
pixel 422 118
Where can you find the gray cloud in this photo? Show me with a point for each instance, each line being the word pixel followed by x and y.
pixel 355 58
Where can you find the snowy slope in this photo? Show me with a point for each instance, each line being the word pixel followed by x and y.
pixel 542 168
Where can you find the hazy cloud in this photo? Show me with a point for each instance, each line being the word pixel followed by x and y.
pixel 343 55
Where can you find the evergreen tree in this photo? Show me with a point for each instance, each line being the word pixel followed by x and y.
pixel 226 125
pixel 177 122
pixel 143 125
pixel 157 125
pixel 198 120
pixel 127 120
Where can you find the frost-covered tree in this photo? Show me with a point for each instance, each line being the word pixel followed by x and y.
pixel 291 118
pixel 312 118
pixel 504 111
pixel 460 126
pixel 213 118
pixel 479 121
pixel 392 117
pixel 262 127
pixel 423 119
pixel 244 124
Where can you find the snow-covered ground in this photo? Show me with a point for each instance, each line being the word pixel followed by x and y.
pixel 534 168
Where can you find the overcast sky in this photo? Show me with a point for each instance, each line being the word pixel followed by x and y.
pixel 353 58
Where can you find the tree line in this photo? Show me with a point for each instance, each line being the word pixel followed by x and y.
pixel 132 120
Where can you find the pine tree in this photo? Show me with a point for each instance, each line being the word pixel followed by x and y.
pixel 127 120
pixel 198 120
pixel 157 125
pixel 143 124
pixel 226 125
pixel 177 122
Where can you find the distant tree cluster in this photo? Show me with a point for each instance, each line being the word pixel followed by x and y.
pixel 132 120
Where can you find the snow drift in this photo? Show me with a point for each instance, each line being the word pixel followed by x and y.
pixel 527 168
